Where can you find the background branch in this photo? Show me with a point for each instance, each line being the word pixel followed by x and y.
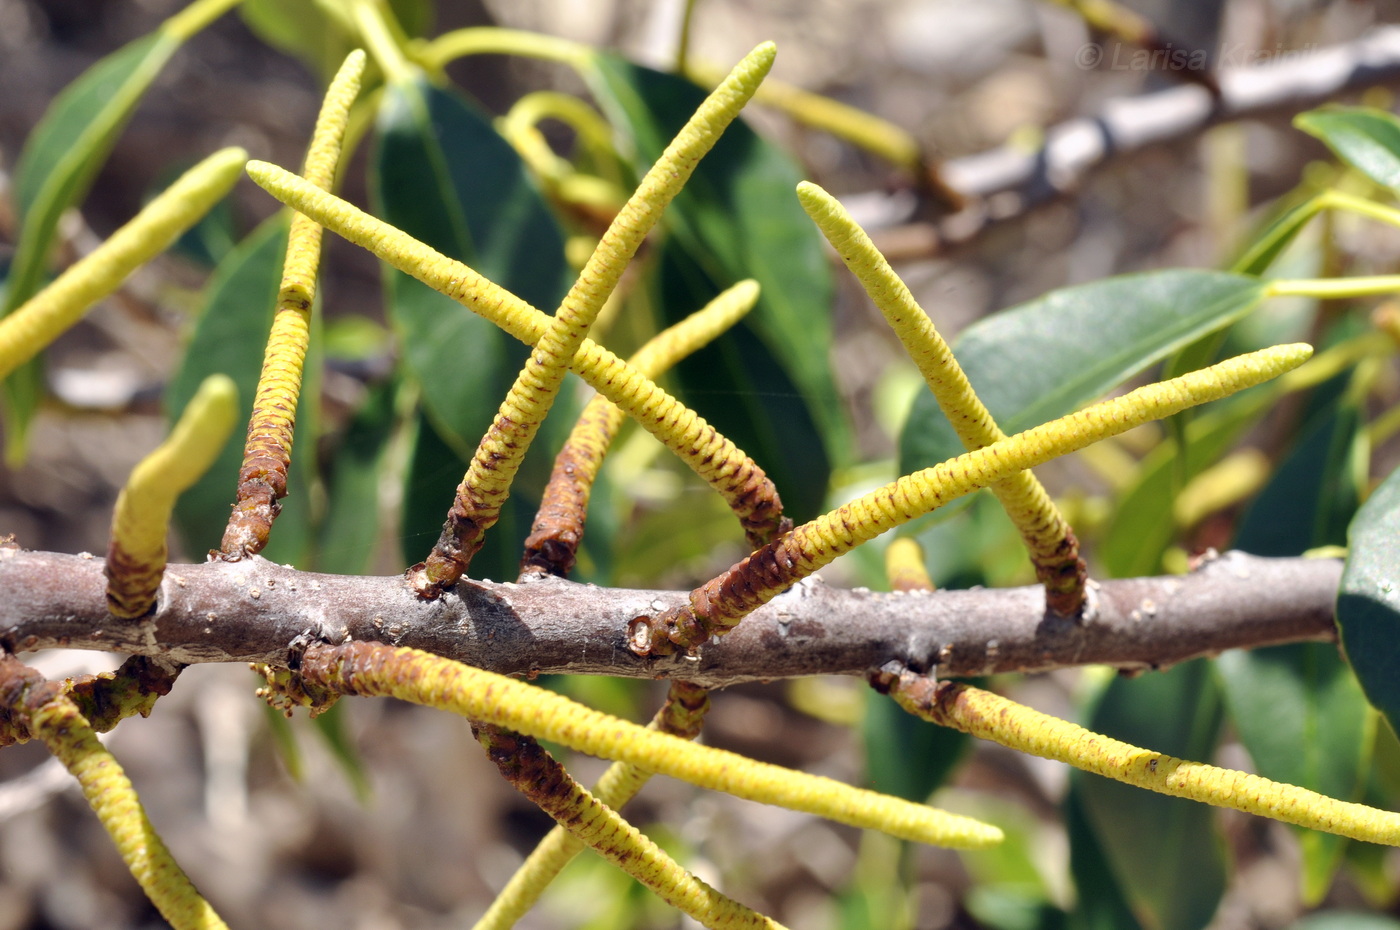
pixel 255 610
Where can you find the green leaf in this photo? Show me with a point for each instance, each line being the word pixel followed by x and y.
pixel 302 29
pixel 230 337
pixel 1046 358
pixel 1368 608
pixel 1165 852
pixel 1364 137
pixel 350 530
pixel 1276 236
pixel 1297 708
pixel 1099 903
pixel 55 169
pixel 739 218
pixel 905 756
pixel 743 391
pixel 443 175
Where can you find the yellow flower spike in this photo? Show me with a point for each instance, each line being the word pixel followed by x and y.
pixel 41 319
pixel 995 718
pixel 558 528
pixel 536 774
pixel 681 716
pixel 55 719
pixel 422 678
pixel 718 605
pixel 141 520
pixel 1054 549
pixel 262 479
pixel 493 468
pixel 711 455
pixel 904 566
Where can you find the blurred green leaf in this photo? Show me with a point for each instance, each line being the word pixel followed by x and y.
pixel 1046 358
pixel 739 218
pixel 1364 137
pixel 1368 609
pixel 1275 237
pixel 302 29
pixel 230 337
pixel 905 756
pixel 1164 852
pixel 55 169
pixel 350 530
pixel 1100 904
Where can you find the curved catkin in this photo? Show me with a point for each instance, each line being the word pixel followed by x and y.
pixel 718 605
pixel 1053 547
pixel 681 716
pixel 557 531
pixel 141 520
pixel 267 454
pixel 55 719
pixel 990 716
pixel 41 319
pixel 591 822
pixel 712 456
pixel 423 678
pixel 484 489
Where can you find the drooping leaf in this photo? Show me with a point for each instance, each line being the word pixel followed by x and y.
pixel 737 218
pixel 905 756
pixel 1368 608
pixel 303 29
pixel 1366 138
pixel 55 169
pixel 1165 852
pixel 1045 358
pixel 1099 902
pixel 230 337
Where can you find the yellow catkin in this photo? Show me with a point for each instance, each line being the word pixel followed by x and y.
pixel 708 453
pixel 487 483
pixel 423 678
pixel 995 718
pixel 1053 547
pixel 141 521
pixel 904 566
pixel 40 320
pixel 558 526
pixel 590 822
pixel 267 454
pixel 719 604
pixel 681 716
pixel 109 792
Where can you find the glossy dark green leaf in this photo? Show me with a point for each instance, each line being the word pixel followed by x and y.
pixel 1297 708
pixel 442 174
pixel 1165 853
pixel 741 388
pixel 1046 358
pixel 55 169
pixel 1368 609
pixel 1364 137
pixel 230 337
pixel 350 530
pixel 737 218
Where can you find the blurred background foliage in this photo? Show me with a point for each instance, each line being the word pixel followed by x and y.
pixel 387 816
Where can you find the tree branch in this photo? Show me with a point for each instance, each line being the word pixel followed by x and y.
pixel 255 610
pixel 1006 182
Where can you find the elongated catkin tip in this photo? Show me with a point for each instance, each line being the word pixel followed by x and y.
pixel 746 291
